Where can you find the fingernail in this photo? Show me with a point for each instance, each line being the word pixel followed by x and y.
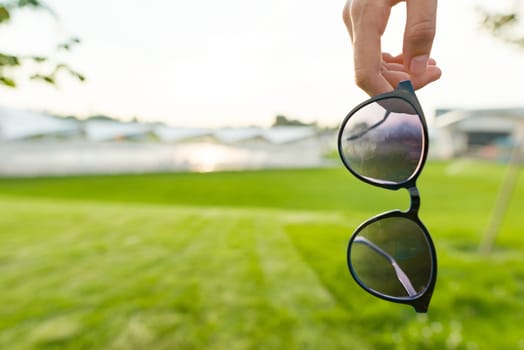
pixel 418 64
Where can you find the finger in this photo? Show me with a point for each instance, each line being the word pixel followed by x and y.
pixel 369 19
pixel 419 34
pixel 431 74
pixel 396 76
pixel 347 19
pixel 395 67
pixel 386 57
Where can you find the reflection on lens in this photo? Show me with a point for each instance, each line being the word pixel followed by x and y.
pixel 383 141
pixel 392 256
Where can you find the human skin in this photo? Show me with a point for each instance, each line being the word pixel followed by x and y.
pixel 378 72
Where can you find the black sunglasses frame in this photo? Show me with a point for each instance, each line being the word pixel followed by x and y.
pixel 420 301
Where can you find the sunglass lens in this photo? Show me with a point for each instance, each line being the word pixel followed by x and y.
pixel 384 141
pixel 391 256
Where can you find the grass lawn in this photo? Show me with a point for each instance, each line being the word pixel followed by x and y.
pixel 247 260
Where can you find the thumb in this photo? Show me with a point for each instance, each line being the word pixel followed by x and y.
pixel 419 34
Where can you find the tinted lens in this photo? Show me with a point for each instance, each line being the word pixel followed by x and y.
pixel 392 256
pixel 384 141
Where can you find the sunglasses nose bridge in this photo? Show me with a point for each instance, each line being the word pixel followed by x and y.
pixel 415 199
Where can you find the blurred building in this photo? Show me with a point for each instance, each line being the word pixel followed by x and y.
pixel 170 134
pixel 33 143
pixel 485 133
pixel 25 125
pixel 107 130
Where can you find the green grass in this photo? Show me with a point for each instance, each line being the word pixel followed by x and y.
pixel 247 260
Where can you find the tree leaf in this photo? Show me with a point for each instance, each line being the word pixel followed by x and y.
pixel 63 66
pixel 36 4
pixel 38 59
pixel 7 81
pixel 33 3
pixel 503 25
pixel 9 60
pixel 68 44
pixel 77 75
pixel 45 78
pixel 6 60
pixel 64 46
pixel 4 14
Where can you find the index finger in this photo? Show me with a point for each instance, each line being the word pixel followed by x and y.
pixel 369 19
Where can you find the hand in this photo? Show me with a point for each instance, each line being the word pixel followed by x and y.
pixel 377 72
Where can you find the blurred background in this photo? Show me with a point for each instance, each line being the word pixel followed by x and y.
pixel 169 178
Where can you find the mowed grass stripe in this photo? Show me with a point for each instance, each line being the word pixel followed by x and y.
pixel 316 318
pixel 108 267
pixel 166 276
pixel 157 268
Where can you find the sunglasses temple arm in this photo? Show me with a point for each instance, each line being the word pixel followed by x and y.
pixel 362 133
pixel 404 280
pixel 401 275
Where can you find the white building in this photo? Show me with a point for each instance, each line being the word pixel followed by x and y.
pixel 173 134
pixel 22 125
pixel 107 130
pixel 287 134
pixel 477 132
pixel 109 146
pixel 235 135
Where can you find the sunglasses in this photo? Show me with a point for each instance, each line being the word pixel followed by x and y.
pixel 384 142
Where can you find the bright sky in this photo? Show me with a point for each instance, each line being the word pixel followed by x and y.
pixel 238 62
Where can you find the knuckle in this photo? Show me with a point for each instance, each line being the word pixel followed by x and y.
pixel 355 8
pixel 421 33
pixel 363 78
